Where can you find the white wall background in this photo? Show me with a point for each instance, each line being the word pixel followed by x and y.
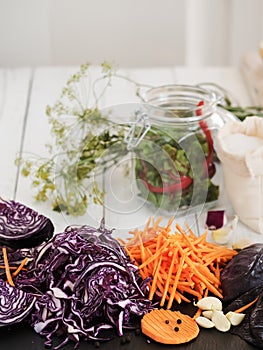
pixel 128 32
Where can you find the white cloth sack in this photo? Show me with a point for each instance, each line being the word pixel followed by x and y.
pixel 243 172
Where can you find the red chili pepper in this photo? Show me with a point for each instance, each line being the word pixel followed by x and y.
pixel 199 110
pixel 182 182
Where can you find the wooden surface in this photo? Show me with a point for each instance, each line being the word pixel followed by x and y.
pixel 24 94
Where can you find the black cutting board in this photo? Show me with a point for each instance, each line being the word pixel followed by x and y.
pixel 22 337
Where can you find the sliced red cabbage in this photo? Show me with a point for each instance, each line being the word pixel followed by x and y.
pixel 15 304
pixel 86 283
pixel 15 257
pixel 21 226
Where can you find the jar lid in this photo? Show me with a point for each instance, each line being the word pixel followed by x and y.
pixel 180 104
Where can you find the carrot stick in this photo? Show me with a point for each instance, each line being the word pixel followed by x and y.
pixel 153 287
pixel 20 267
pixel 243 308
pixel 153 257
pixel 197 314
pixel 168 279
pixel 179 270
pixel 186 237
pixel 7 269
pixel 10 267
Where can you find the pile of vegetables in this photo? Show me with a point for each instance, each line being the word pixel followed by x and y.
pixel 81 282
pixel 180 264
pixel 74 285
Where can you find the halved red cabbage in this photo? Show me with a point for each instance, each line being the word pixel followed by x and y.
pixel 86 283
pixel 21 226
pixel 243 272
pixel 15 304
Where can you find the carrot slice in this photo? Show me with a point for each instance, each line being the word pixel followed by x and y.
pixel 7 268
pixel 169 327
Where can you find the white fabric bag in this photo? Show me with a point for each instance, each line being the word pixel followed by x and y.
pixel 239 147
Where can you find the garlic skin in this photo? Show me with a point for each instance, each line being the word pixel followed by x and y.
pixel 235 318
pixel 210 303
pixel 204 322
pixel 221 322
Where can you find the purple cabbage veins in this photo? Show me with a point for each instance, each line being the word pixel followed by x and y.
pixel 21 226
pixel 84 283
pixel 15 304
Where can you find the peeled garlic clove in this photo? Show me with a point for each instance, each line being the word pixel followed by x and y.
pixel 221 321
pixel 235 318
pixel 223 234
pixel 208 314
pixel 209 303
pixel 204 322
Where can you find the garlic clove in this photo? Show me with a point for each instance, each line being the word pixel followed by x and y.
pixel 208 314
pixel 204 322
pixel 221 321
pixel 235 318
pixel 209 303
pixel 223 234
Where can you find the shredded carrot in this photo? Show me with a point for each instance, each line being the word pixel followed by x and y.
pixel 10 267
pixel 20 267
pixel 179 263
pixel 197 314
pixel 245 307
pixel 7 268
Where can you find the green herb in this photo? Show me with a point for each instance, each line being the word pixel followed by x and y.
pixel 85 143
pixel 231 104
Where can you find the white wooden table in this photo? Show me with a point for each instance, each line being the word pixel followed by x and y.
pixel 24 94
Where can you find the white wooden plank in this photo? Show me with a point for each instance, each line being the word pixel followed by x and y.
pixel 155 76
pixel 14 88
pixel 230 78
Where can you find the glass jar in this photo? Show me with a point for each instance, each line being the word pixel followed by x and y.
pixel 175 152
